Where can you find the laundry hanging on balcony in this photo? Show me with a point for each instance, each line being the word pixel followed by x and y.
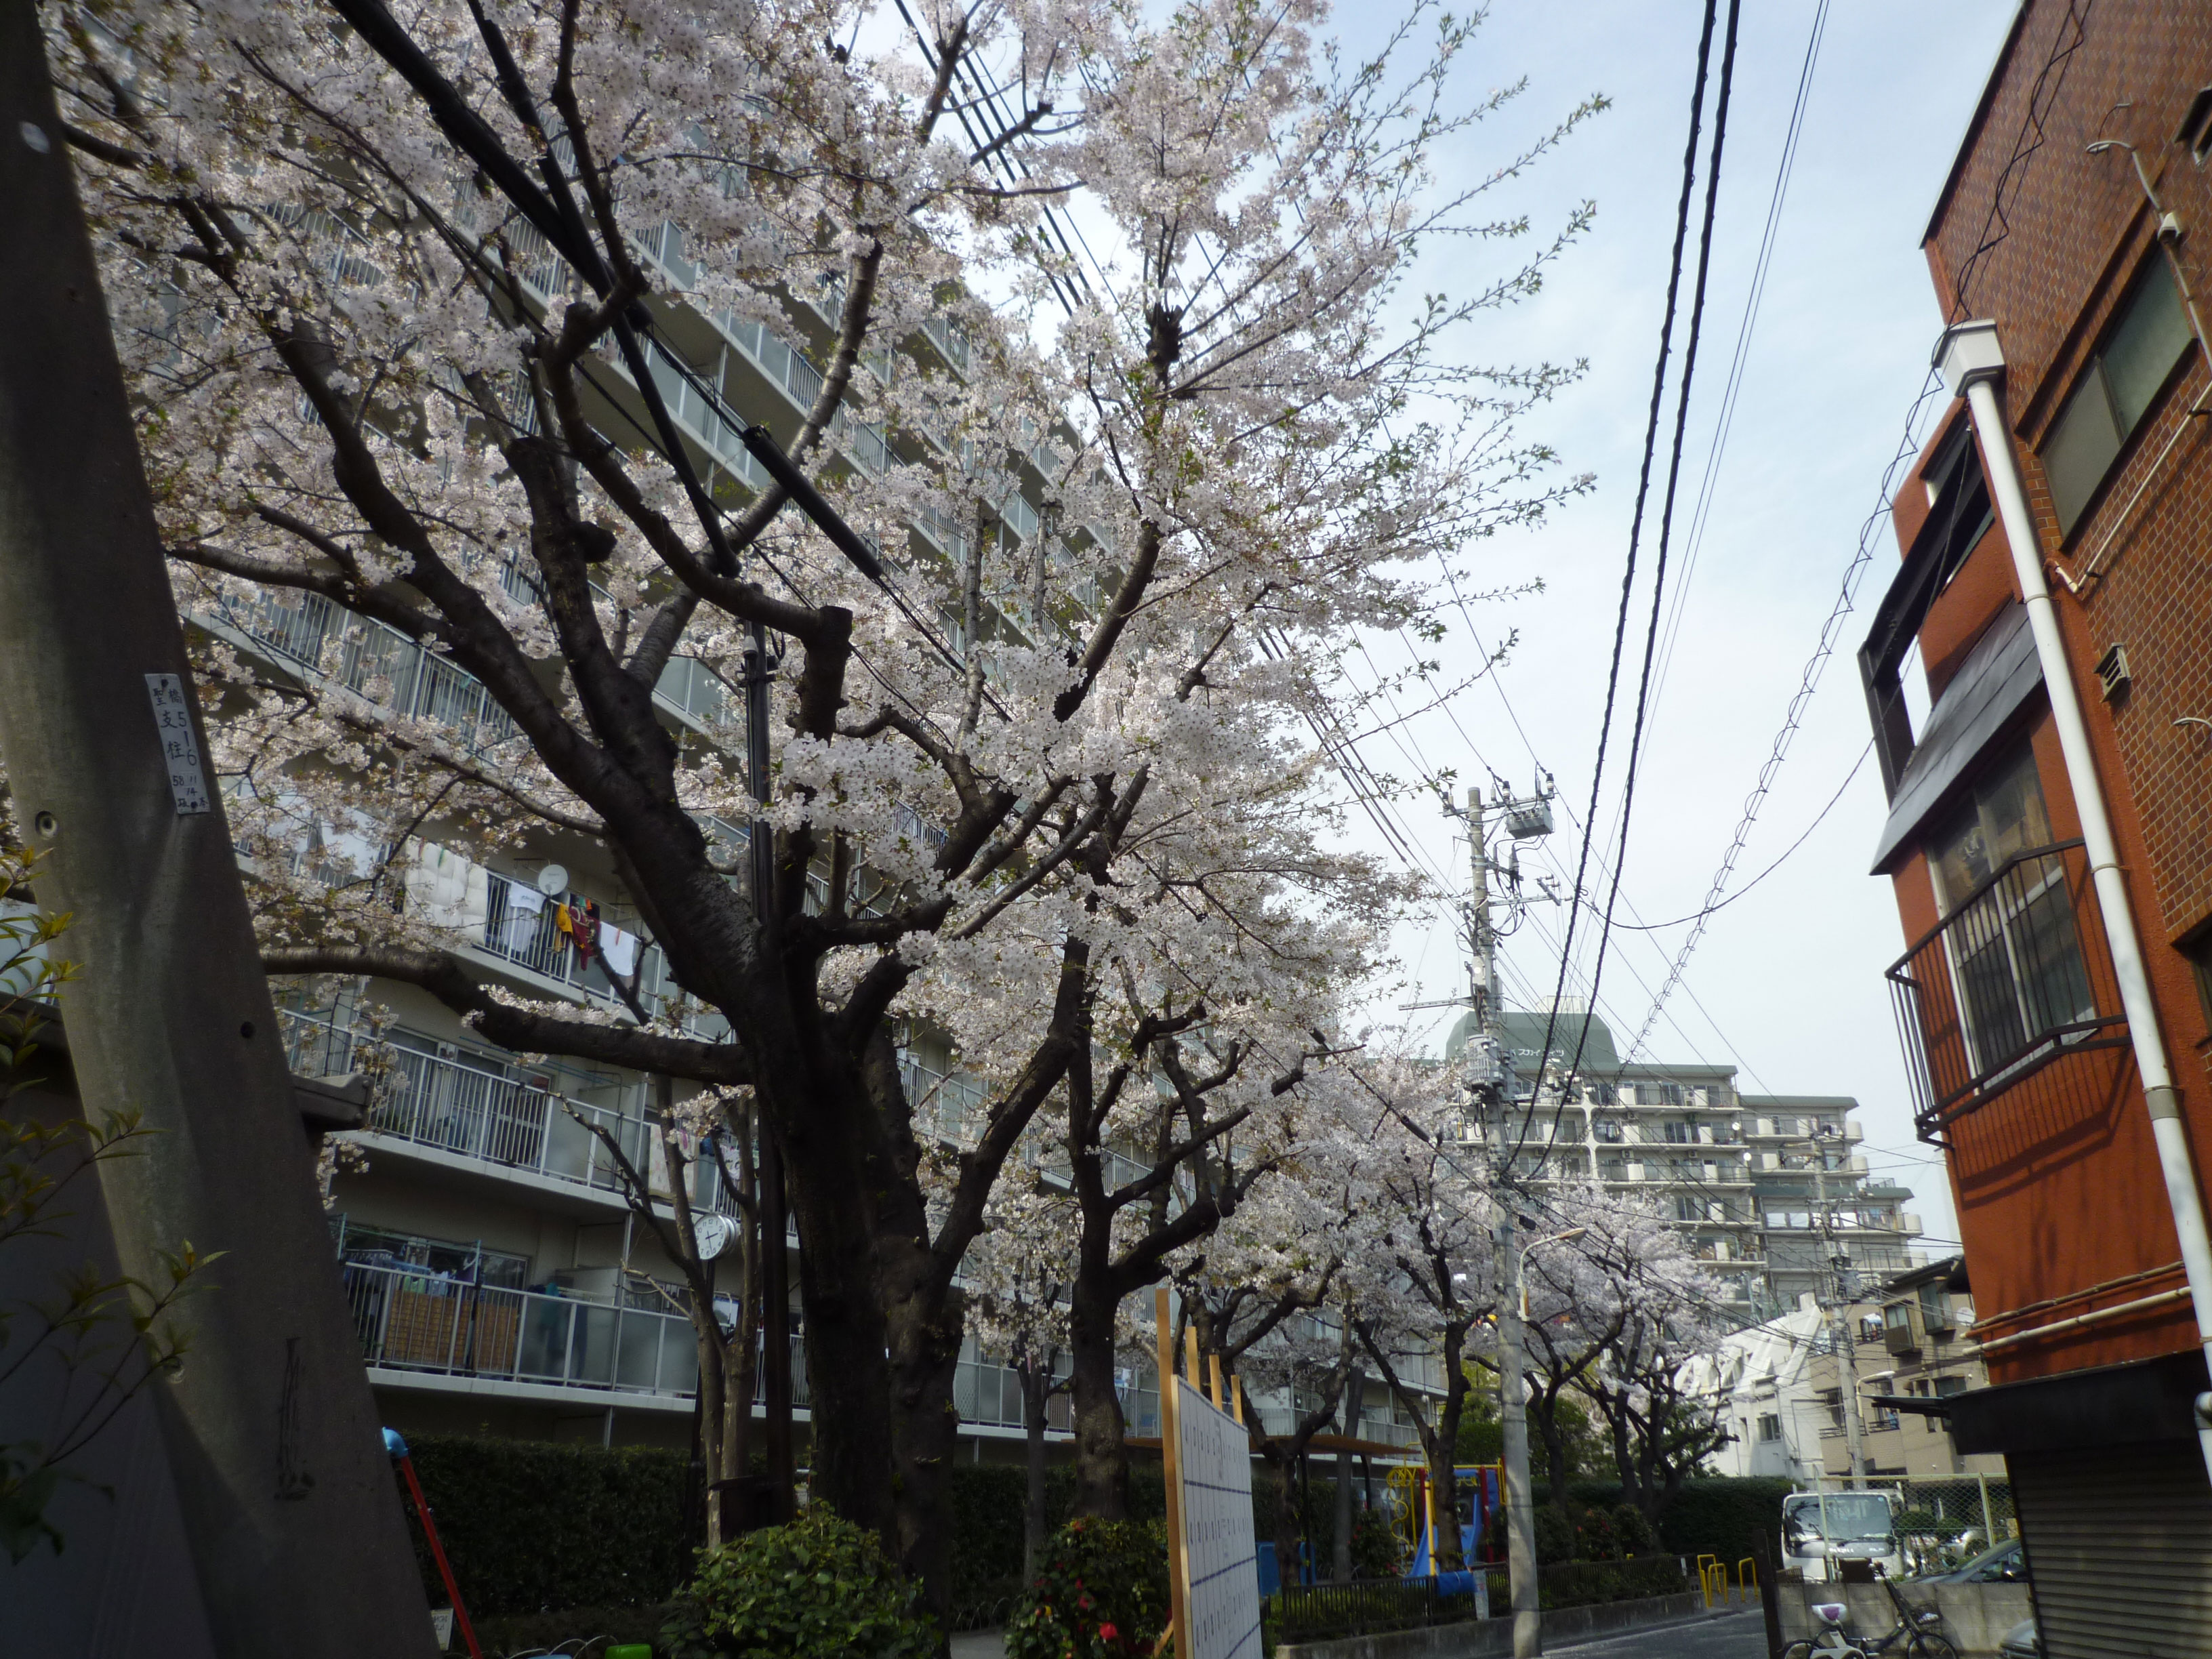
pixel 620 950
pixel 446 890
pixel 525 904
pixel 579 926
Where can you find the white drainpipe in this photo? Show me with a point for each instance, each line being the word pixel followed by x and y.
pixel 1972 362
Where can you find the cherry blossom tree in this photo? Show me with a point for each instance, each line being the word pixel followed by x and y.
pixel 413 309
pixel 1019 1272
pixel 1422 1272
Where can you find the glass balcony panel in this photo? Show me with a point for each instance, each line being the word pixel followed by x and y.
pixel 637 1350
pixel 592 1344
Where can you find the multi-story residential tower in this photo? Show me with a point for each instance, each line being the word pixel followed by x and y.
pixel 1830 1226
pixel 2049 814
pixel 1728 1169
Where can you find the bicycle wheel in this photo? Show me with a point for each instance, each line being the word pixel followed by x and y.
pixel 1798 1650
pixel 1924 1646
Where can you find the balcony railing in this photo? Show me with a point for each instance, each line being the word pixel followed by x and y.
pixel 412 1320
pixel 408 1318
pixel 434 1101
pixel 2015 977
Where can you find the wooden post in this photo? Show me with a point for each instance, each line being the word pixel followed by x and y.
pixel 1214 1361
pixel 1170 1461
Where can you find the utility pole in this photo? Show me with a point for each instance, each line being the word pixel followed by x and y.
pixel 285 1494
pixel 1847 1359
pixel 1512 1402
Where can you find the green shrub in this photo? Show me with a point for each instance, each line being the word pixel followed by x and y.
pixel 1593 1536
pixel 987 1502
pixel 818 1589
pixel 1377 1549
pixel 1555 1536
pixel 532 1527
pixel 1103 1593
pixel 1631 1533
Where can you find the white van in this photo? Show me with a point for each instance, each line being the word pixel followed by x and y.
pixel 1821 1529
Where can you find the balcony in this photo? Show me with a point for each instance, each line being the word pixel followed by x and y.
pixel 411 1320
pixel 501 1123
pixel 2014 979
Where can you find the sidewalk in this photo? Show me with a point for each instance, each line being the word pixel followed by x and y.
pixel 979 1644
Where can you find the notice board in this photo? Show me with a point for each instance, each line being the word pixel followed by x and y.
pixel 1213 1568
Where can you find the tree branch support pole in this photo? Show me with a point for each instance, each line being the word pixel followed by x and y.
pixel 288 1502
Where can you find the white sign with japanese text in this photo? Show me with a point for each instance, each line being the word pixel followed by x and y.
pixel 1213 1472
pixel 180 747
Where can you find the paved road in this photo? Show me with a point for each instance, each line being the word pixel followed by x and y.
pixel 1734 1636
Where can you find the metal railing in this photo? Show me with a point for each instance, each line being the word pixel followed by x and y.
pixel 435 1101
pixel 2015 977
pixel 374 662
pixel 1366 1607
pixel 408 1319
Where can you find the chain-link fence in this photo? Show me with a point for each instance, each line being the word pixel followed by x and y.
pixel 1944 1520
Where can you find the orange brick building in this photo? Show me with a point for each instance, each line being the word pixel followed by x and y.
pixel 2050 832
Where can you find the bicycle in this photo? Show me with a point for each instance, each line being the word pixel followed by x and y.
pixel 1917 1635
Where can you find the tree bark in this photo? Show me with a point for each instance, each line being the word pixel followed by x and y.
pixel 1355 1389
pixel 1102 1455
pixel 1037 1389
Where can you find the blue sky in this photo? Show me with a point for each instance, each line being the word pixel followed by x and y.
pixel 1788 982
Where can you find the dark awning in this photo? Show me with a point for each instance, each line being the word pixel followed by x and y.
pixel 2108 1406
pixel 1997 677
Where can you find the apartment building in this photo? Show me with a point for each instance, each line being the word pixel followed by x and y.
pixel 1768 1189
pixel 1910 1355
pixel 1829 1224
pixel 1759 1385
pixel 2049 766
pixel 499 1281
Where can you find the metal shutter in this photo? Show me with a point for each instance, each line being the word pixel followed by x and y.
pixel 2119 1541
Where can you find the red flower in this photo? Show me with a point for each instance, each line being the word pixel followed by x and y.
pixel 1108 1633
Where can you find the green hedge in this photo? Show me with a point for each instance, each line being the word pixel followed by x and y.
pixel 1722 1514
pixel 533 1526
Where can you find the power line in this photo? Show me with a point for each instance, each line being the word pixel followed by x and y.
pixel 1667 512
pixel 1699 916
pixel 1770 234
pixel 1996 227
pixel 1635 531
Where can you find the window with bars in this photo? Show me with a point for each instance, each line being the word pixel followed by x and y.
pixel 2016 958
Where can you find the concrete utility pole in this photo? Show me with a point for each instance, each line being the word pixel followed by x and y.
pixel 1512 1393
pixel 287 1499
pixel 1847 1357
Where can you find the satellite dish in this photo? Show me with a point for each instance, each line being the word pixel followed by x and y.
pixel 552 881
pixel 716 1234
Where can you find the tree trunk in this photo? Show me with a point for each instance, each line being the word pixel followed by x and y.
pixel 1288 1567
pixel 1036 1391
pixel 1446 1555
pixel 1102 1455
pixel 1544 1411
pixel 1340 1566
pixel 848 1369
